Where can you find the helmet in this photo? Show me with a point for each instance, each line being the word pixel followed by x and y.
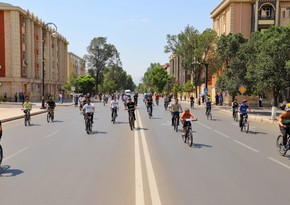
pixel 287 107
pixel 245 101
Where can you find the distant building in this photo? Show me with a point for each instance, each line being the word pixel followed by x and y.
pixel 21 49
pixel 75 64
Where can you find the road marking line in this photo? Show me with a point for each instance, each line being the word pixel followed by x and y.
pixel 16 153
pixel 72 123
pixel 278 162
pixel 236 124
pixel 139 198
pixel 246 146
pixel 150 172
pixel 222 134
pixel 204 125
pixel 48 136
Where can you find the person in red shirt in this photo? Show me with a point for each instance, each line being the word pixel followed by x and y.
pixel 186 115
pixel 157 96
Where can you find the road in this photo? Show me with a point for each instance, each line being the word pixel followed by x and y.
pixel 59 163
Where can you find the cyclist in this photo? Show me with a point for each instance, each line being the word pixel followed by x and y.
pixel 149 103
pixel 136 99
pixel 208 104
pixel 166 101
pixel 50 104
pixel 157 96
pixel 191 101
pixel 175 109
pixel 235 106
pixel 243 111
pixel 284 124
pixel 186 115
pixel 27 106
pixel 114 106
pixel 89 109
pixel 131 107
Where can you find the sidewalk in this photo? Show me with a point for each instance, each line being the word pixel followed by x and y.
pixel 12 110
pixel 261 114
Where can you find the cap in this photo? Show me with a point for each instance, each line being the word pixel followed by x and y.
pixel 245 101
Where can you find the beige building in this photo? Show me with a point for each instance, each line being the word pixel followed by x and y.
pixel 247 16
pixel 22 36
pixel 177 71
pixel 75 64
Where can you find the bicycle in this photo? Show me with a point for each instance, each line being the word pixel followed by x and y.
pixel 175 122
pixel 208 114
pixel 192 104
pixel 88 122
pixel 188 137
pixel 157 102
pixel 114 115
pixel 149 108
pixel 27 118
pixel 166 105
pixel 280 147
pixel 245 124
pixel 50 115
pixel 131 119
pixel 236 116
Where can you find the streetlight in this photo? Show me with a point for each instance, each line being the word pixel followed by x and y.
pixel 54 34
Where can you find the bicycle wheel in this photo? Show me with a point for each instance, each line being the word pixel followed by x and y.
pixel 48 117
pixel 87 125
pixel 247 126
pixel 114 117
pixel 279 145
pixel 176 124
pixel 236 117
pixel 90 126
pixel 189 138
pixel 25 120
pixel 210 116
pixel 150 113
pixel 131 122
pixel 1 154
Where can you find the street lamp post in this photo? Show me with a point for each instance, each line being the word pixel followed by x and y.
pixel 44 28
pixel 206 70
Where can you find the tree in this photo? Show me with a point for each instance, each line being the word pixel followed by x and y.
pixel 85 83
pixel 176 88
pixel 232 50
pixel 100 55
pixel 71 82
pixel 188 87
pixel 268 65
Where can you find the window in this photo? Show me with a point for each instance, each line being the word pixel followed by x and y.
pixel 267 12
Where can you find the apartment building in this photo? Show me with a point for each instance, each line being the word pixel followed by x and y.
pixel 247 16
pixel 76 65
pixel 27 46
pixel 177 71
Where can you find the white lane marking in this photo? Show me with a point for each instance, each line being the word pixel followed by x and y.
pixel 222 134
pixel 246 146
pixel 155 198
pixel 139 192
pixel 236 124
pixel 204 125
pixel 16 153
pixel 48 136
pixel 278 162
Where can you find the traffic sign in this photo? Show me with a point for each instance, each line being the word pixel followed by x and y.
pixel 205 90
pixel 242 89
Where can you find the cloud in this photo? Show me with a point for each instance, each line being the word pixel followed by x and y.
pixel 136 21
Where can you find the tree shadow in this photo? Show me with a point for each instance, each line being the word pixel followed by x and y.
pixel 140 128
pixel 56 121
pixel 253 132
pixel 5 171
pixel 216 120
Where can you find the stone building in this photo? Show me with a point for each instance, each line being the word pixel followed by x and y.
pixel 28 49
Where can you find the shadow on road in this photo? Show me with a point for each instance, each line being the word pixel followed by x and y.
pixel 141 128
pixel 5 171
pixel 216 120
pixel 195 145
pixel 56 121
pixel 253 132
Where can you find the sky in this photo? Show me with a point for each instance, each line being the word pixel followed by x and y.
pixel 137 28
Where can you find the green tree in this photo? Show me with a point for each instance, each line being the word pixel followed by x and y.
pixel 100 56
pixel 188 87
pixel 71 82
pixel 85 83
pixel 176 89
pixel 268 66
pixel 232 50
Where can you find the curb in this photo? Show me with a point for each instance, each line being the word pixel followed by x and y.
pixel 22 116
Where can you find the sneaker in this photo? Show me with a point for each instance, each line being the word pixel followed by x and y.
pixel 285 148
pixel 111 120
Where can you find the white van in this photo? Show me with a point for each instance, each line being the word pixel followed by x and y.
pixel 128 92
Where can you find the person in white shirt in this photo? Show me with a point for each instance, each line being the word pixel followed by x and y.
pixel 89 109
pixel 114 106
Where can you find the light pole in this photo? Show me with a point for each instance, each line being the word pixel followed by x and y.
pixel 44 29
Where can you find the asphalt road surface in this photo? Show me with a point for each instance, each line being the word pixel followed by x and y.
pixel 59 163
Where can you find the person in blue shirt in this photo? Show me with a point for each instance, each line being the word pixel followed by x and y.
pixel 243 111
pixel 208 104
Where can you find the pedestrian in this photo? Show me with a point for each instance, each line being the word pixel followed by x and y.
pixel 15 97
pixel 217 99
pixel 21 97
pixel 221 99
pixel 5 96
pixel 60 98
pixel 260 101
pixel 1 130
